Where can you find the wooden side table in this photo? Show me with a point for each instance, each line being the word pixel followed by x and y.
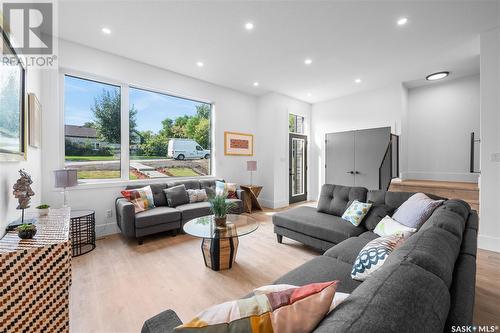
pixel 251 203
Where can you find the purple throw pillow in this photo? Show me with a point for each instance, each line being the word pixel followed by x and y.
pixel 416 210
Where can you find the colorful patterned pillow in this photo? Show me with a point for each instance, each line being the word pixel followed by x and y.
pixel 197 195
pixel 373 255
pixel 142 198
pixel 288 311
pixel 388 226
pixel 227 189
pixel 356 212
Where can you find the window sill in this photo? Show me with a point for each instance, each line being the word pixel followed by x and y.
pixel 109 183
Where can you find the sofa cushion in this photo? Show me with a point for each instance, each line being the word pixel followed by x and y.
pixel 189 184
pixel 469 242
pixel 334 199
pixel 193 210
pixel 347 251
pixel 177 195
pixel 158 215
pixel 446 219
pixel 401 297
pixel 370 235
pixel 238 209
pixel 376 214
pixel 393 199
pixel 209 186
pixel 158 194
pixel 308 221
pixel 321 269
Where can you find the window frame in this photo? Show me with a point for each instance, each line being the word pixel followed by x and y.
pixel 296 116
pixel 124 131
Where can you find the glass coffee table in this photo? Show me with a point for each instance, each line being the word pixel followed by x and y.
pixel 219 245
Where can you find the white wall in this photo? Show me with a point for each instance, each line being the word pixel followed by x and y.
pixel 9 170
pixel 489 224
pixel 234 111
pixel 376 108
pixel 441 117
pixel 272 138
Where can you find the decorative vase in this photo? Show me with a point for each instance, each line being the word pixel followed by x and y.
pixel 220 222
pixel 43 212
pixel 26 234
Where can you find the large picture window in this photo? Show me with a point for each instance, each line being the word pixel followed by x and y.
pixel 170 135
pixel 92 128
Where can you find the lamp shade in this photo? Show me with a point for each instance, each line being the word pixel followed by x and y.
pixel 251 165
pixel 66 178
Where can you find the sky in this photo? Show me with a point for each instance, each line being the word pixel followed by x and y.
pixel 152 107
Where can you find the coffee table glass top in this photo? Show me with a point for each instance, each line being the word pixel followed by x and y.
pixel 237 225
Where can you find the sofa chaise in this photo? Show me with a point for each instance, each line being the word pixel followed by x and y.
pixel 162 217
pixel 425 285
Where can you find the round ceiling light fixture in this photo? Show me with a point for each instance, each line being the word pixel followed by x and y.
pixel 308 61
pixel 437 76
pixel 200 64
pixel 106 31
pixel 357 80
pixel 402 21
pixel 256 84
pixel 249 26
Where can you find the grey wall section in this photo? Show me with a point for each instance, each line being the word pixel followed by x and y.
pixel 359 151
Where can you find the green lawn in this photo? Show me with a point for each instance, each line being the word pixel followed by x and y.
pixel 181 172
pixel 90 158
pixel 103 174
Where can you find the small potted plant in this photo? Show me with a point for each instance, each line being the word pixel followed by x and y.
pixel 26 231
pixel 220 207
pixel 43 210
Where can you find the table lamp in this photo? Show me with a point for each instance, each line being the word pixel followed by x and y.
pixel 65 178
pixel 251 166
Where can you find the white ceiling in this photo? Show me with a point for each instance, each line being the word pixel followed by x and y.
pixel 345 40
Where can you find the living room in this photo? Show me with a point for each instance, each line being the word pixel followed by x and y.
pixel 294 113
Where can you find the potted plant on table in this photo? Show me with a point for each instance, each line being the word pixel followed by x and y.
pixel 26 231
pixel 220 207
pixel 43 210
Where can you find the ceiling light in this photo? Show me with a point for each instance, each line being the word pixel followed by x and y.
pixel 403 21
pixel 256 84
pixel 437 76
pixel 249 26
pixel 309 94
pixel 200 64
pixel 106 31
pixel 308 61
pixel 357 80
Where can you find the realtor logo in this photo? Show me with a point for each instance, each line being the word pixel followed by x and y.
pixel 31 25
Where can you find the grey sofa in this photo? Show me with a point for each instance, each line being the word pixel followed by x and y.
pixel 162 217
pixel 426 285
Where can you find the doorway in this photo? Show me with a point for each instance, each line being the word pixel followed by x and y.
pixel 297 168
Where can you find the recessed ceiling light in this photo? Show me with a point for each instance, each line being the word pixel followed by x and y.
pixel 256 84
pixel 200 64
pixel 357 80
pixel 403 21
pixel 308 61
pixel 106 31
pixel 309 94
pixel 249 26
pixel 437 76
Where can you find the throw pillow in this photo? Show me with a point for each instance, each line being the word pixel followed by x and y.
pixel 226 189
pixel 373 255
pixel 416 210
pixel 356 212
pixel 292 310
pixel 337 299
pixel 176 195
pixel 388 226
pixel 141 198
pixel 376 214
pixel 197 195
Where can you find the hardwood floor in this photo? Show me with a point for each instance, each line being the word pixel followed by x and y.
pixel 120 284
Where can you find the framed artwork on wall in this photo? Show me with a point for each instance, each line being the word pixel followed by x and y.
pixel 34 120
pixel 238 144
pixel 13 103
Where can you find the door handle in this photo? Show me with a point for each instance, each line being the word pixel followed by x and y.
pixel 350 172
pixel 356 172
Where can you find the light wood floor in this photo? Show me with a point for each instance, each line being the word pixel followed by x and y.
pixel 120 284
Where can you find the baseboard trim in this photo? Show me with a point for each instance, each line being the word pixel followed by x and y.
pixel 272 204
pixel 488 243
pixel 443 176
pixel 107 229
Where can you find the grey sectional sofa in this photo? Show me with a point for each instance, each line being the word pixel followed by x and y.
pixel 426 285
pixel 164 218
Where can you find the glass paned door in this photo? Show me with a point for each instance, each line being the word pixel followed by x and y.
pixel 298 168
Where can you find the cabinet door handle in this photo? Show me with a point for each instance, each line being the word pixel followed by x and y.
pixel 350 172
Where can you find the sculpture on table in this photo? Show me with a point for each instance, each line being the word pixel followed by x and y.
pixel 23 191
